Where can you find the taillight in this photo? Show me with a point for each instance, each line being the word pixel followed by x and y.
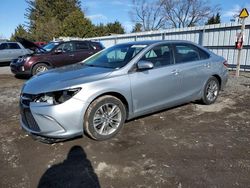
pixel 225 64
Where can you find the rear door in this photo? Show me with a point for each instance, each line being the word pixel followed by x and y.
pixel 193 67
pixel 4 52
pixel 15 50
pixel 158 87
pixel 83 50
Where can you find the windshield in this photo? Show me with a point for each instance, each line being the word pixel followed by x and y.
pixel 48 47
pixel 114 57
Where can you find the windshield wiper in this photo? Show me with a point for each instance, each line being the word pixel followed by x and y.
pixel 91 65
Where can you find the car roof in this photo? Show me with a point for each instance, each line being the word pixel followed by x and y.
pixel 62 41
pixel 150 42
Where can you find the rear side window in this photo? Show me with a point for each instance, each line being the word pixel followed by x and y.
pixel 3 46
pixel 81 46
pixel 187 53
pixel 97 45
pixel 14 46
pixel 203 54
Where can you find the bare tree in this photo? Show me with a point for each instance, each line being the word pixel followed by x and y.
pixel 186 13
pixel 148 14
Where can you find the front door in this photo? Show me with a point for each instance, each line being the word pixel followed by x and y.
pixel 158 87
pixel 64 54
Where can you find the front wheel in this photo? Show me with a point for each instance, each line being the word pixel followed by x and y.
pixel 211 91
pixel 40 67
pixel 104 118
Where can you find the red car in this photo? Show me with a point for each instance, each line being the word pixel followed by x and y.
pixel 54 54
pixel 40 43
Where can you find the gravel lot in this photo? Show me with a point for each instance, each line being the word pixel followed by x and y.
pixel 5 70
pixel 188 146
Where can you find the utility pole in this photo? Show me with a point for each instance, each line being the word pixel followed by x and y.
pixel 239 43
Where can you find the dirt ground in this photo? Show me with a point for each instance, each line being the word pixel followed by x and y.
pixel 188 146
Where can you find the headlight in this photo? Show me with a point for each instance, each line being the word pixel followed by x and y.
pixel 22 59
pixel 56 97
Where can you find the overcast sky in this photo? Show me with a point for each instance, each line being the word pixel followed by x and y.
pixel 99 11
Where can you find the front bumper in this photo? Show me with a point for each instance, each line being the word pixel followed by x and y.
pixel 18 68
pixel 63 121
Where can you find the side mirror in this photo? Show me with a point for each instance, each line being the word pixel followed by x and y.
pixel 144 65
pixel 58 51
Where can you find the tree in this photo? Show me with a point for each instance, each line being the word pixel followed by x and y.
pixel 20 31
pixel 215 19
pixel 101 30
pixel 76 25
pixel 115 27
pixel 137 28
pixel 109 28
pixel 48 19
pixel 148 14
pixel 186 13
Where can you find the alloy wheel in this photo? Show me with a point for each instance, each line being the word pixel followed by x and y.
pixel 107 119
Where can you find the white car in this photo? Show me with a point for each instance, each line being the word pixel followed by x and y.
pixel 12 50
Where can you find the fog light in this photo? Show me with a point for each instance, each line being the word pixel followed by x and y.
pixel 22 68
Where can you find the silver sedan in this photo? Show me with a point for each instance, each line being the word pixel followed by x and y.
pixel 125 81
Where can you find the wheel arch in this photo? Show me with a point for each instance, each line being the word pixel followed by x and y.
pixel 38 62
pixel 120 97
pixel 218 78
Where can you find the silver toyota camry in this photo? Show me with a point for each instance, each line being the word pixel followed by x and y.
pixel 122 82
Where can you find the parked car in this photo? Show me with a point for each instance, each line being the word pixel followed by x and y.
pixel 117 84
pixel 11 50
pixel 40 43
pixel 54 54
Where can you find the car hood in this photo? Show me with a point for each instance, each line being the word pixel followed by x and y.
pixel 63 78
pixel 28 44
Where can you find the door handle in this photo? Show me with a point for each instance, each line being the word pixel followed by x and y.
pixel 175 72
pixel 71 55
pixel 207 65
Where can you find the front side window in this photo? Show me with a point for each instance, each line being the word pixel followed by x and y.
pixel 160 56
pixel 115 57
pixel 14 46
pixel 66 47
pixel 186 53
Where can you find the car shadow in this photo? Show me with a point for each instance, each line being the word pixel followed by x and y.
pixel 4 64
pixel 75 171
pixel 22 77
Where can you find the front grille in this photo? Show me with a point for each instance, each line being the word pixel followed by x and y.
pixel 29 120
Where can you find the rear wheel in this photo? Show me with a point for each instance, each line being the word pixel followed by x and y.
pixel 211 91
pixel 104 118
pixel 40 67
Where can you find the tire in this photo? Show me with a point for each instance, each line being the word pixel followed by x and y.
pixel 104 117
pixel 211 91
pixel 40 67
